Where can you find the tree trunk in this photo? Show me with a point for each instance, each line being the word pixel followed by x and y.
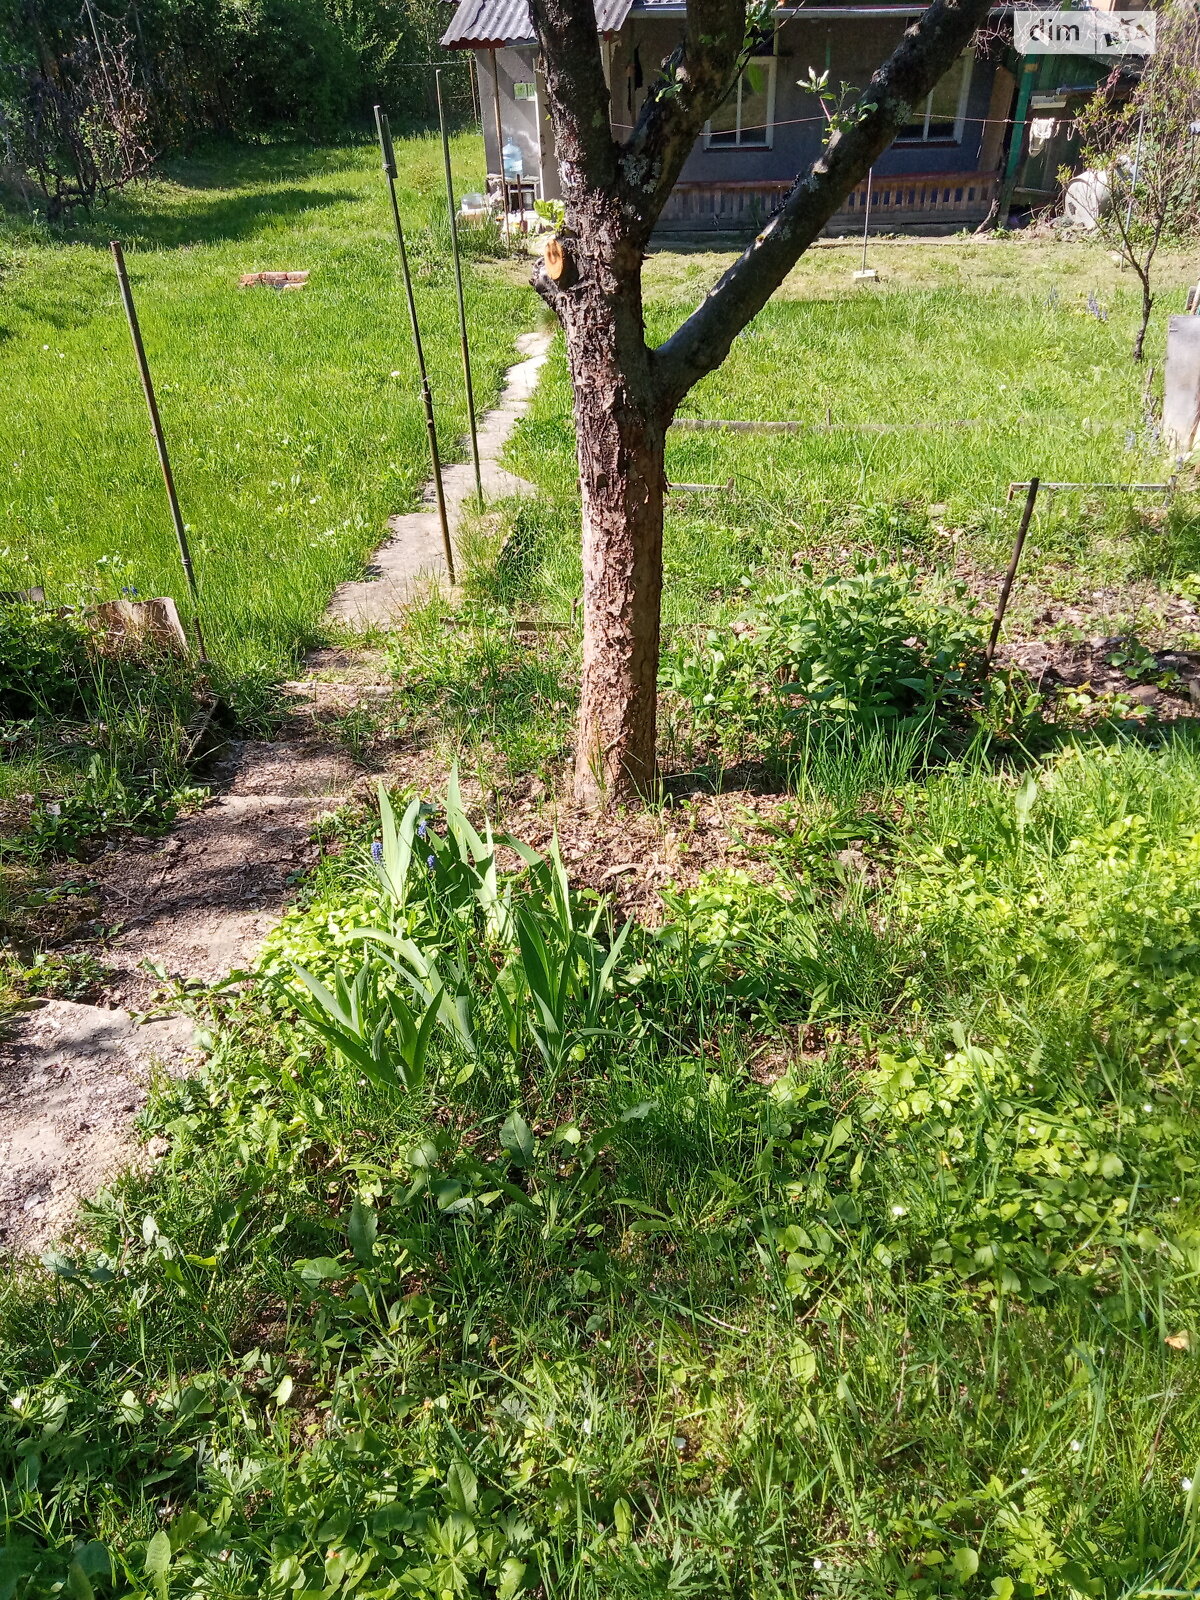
pixel 1147 306
pixel 621 440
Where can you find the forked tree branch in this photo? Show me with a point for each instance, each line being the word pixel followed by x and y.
pixel 924 55
pixel 694 82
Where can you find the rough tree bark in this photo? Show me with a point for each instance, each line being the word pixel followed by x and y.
pixel 627 393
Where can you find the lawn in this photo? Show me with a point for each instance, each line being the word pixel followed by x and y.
pixel 294 419
pixel 830 1232
pixel 991 361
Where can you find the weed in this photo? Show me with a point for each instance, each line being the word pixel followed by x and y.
pixel 866 651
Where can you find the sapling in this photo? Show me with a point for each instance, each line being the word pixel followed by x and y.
pixel 1148 144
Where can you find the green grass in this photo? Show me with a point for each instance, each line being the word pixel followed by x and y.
pixel 780 1285
pixel 848 1247
pixel 294 420
pixel 997 335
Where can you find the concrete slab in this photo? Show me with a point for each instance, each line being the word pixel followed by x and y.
pixel 412 558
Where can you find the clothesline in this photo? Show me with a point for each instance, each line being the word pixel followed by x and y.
pixel 793 122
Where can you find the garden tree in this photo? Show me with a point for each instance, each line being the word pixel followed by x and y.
pixel 625 392
pixel 1148 144
pixel 75 119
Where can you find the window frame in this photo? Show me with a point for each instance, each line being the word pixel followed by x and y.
pixel 720 140
pixel 913 140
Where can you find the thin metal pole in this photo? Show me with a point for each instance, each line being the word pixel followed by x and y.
pixel 500 144
pixel 867 217
pixel 458 284
pixel 160 442
pixel 1006 587
pixel 476 96
pixel 389 167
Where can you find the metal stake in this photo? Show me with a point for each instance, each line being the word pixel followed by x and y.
pixel 164 460
pixel 389 166
pixel 867 216
pixel 458 284
pixel 1006 587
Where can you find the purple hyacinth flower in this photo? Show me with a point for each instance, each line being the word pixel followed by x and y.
pixel 377 850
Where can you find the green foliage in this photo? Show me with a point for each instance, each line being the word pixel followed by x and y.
pixel 868 649
pixel 46 667
pixel 195 68
pixel 704 1314
pixel 99 731
pixel 510 956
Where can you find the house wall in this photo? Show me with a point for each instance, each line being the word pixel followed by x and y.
pixel 522 121
pixel 851 50
pixel 738 187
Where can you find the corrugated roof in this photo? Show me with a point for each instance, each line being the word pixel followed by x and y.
pixel 488 24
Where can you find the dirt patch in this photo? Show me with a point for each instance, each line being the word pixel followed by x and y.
pixel 71 1081
pixel 199 903
pixel 1167 683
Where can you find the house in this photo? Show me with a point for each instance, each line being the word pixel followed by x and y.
pixel 966 148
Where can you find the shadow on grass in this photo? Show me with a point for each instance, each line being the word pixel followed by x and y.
pixel 239 216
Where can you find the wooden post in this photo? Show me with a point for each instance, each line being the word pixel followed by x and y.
pixel 1006 587
pixel 389 167
pixel 160 442
pixel 500 144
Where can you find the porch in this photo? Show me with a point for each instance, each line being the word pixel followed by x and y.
pixel 950 199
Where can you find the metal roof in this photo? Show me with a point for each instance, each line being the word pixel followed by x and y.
pixel 488 24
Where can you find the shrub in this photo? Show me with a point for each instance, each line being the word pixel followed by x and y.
pixel 43 663
pixel 867 648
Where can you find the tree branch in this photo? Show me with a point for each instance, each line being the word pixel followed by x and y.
pixel 924 55
pixel 694 81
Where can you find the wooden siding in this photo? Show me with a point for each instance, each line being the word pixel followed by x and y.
pixel 952 197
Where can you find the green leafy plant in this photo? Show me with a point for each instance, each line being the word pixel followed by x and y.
pixel 866 649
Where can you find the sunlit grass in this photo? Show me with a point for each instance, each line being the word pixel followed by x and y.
pixel 294 419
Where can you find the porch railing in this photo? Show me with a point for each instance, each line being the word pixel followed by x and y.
pixel 747 202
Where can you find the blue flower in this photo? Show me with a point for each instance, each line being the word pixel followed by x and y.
pixel 377 850
pixel 422 829
pixel 431 863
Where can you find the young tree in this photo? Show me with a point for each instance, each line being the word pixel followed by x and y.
pixel 627 393
pixel 1148 144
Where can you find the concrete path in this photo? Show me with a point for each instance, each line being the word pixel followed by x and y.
pixel 413 554
pixel 199 902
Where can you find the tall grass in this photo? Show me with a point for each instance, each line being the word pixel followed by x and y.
pixel 294 419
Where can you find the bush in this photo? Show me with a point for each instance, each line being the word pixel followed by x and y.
pixel 43 663
pixel 100 733
pixel 865 649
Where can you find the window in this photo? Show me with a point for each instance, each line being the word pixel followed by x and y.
pixel 745 119
pixel 940 119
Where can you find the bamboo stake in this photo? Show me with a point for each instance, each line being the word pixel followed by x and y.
pixel 1006 587
pixel 389 167
pixel 160 442
pixel 458 285
pixel 500 145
